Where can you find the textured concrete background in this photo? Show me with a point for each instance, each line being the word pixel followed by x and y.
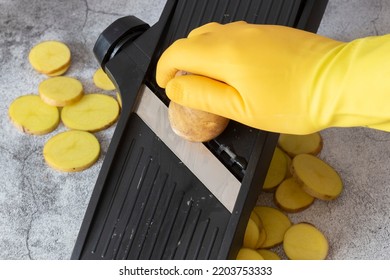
pixel 41 209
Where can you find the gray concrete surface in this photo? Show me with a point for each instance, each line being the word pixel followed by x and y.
pixel 41 209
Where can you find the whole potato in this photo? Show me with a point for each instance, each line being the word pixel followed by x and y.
pixel 195 125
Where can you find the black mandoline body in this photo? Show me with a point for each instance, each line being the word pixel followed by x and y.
pixel 146 204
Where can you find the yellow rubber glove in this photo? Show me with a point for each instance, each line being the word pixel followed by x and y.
pixel 280 79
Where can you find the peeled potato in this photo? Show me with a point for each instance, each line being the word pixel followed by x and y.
pixel 277 170
pixel 275 224
pixel 303 241
pixel 31 115
pixel 290 197
pixel 60 91
pixel 301 144
pixel 71 151
pixel 248 254
pixel 93 112
pixel 50 57
pixel 316 177
pixel 102 81
pixel 195 125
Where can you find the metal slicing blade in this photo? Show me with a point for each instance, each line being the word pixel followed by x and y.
pixel 205 166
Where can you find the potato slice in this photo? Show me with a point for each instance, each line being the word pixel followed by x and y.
pixel 31 115
pixel 195 125
pixel 301 144
pixel 60 91
pixel 248 254
pixel 59 72
pixel 268 254
pixel 93 112
pixel 288 170
pixel 256 219
pixel 303 241
pixel 317 178
pixel 102 81
pixel 262 237
pixel 251 235
pixel 119 99
pixel 290 197
pixel 262 233
pixel 49 57
pixel 275 224
pixel 277 170
pixel 71 151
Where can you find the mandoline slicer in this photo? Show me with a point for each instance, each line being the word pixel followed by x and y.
pixel 158 196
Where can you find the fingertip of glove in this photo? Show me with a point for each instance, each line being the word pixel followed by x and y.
pixel 164 72
pixel 208 27
pixel 174 90
pixel 163 78
pixel 212 27
pixel 167 63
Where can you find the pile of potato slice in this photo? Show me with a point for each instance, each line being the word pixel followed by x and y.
pixel 296 177
pixel 62 98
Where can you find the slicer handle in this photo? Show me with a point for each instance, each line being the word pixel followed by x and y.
pixel 116 35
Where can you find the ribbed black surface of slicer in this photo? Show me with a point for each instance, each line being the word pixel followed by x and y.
pixel 283 12
pixel 154 208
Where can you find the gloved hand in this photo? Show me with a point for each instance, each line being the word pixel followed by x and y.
pixel 280 79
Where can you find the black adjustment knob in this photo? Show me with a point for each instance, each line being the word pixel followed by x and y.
pixel 120 32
